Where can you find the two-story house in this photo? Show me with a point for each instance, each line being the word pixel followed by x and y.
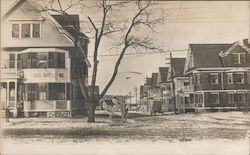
pixel 165 88
pixel 44 66
pixel 219 75
pixel 181 83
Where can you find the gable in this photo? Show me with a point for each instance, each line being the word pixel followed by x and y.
pixel 23 10
pixel 51 34
pixel 189 62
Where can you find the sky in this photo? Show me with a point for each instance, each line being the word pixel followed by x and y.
pixel 187 22
pixel 184 23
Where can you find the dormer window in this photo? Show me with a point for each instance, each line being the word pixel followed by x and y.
pixel 238 58
pixel 26 30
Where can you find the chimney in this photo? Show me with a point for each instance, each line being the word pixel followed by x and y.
pixel 245 42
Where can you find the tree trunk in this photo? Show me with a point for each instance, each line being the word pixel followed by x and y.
pixel 91 111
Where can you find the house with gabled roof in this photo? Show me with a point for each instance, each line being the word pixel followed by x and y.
pixel 219 75
pixel 181 83
pixel 44 65
pixel 165 88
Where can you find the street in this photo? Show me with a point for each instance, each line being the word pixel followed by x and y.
pixel 221 129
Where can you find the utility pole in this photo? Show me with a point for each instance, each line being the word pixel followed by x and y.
pixel 130 97
pixel 173 84
pixel 135 89
pixel 147 93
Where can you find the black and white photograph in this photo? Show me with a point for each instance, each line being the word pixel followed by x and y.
pixel 124 77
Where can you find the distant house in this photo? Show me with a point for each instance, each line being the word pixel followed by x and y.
pixel 165 88
pixel 44 68
pixel 219 75
pixel 181 82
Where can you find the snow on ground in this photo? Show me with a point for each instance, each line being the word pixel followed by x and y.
pixel 199 133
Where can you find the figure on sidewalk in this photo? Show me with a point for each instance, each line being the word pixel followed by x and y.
pixel 7 113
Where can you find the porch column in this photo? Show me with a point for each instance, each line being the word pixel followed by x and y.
pixel 203 100
pixel 15 109
pixel 7 94
pixel 16 94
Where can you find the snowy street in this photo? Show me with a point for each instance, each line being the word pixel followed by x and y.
pixel 215 130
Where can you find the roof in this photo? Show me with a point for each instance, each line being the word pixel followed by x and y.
pixel 68 22
pixel 207 55
pixel 109 102
pixel 154 79
pixel 163 74
pixel 178 66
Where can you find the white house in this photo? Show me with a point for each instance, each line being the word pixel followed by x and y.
pixel 44 66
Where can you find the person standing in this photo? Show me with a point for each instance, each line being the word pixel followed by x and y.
pixel 7 113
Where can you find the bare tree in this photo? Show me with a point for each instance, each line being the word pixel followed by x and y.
pixel 129 31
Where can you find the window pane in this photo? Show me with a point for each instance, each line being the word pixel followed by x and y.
pixel 12 61
pixel 242 58
pixel 214 98
pixel 42 91
pixel 230 78
pixel 36 30
pixel 25 30
pixel 15 30
pixel 61 60
pixel 52 60
pixel 56 91
pixel 235 59
pixel 230 98
pixel 241 97
pixel 42 60
pixel 239 78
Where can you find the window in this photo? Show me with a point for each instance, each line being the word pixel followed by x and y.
pixel 31 90
pixel 214 98
pixel 60 60
pixel 42 91
pixel 239 78
pixel 36 30
pixel 241 97
pixel 56 91
pixel 230 97
pixel 25 30
pixel 238 58
pixel 230 78
pixel 12 60
pixel 15 30
pixel 214 78
pixel 242 58
pixel 199 98
pixel 198 78
pixel 42 60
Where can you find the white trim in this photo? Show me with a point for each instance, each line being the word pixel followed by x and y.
pixel 216 79
pixel 240 73
pixel 230 49
pixel 43 50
